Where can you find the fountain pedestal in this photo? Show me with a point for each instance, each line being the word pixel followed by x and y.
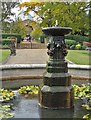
pixel 56 91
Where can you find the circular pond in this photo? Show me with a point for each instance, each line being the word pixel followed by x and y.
pixel 28 108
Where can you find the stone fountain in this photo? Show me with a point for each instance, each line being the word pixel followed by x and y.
pixel 56 91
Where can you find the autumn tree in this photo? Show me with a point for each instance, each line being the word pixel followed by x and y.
pixel 68 14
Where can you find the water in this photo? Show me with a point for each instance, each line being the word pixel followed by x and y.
pixel 29 108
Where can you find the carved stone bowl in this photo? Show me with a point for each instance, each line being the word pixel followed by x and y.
pixel 57 31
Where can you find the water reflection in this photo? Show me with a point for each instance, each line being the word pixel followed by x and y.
pixel 29 108
pixel 76 112
pixel 47 113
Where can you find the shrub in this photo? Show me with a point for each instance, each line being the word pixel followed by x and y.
pixel 8 35
pixel 83 47
pixel 70 43
pixel 6 41
pixel 78 46
pixel 72 47
pixel 78 38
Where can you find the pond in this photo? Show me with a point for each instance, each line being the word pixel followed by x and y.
pixel 24 103
pixel 29 108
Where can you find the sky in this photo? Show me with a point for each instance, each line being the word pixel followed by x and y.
pixel 16 10
pixel 24 1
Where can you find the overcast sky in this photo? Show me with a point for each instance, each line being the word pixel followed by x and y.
pixel 16 10
pixel 24 0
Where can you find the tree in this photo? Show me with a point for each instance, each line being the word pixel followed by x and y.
pixel 19 27
pixel 68 14
pixel 6 9
pixel 37 32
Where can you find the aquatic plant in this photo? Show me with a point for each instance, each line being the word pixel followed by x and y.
pixel 84 92
pixel 5 111
pixel 6 95
pixel 30 90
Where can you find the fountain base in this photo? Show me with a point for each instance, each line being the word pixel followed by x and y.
pixel 56 97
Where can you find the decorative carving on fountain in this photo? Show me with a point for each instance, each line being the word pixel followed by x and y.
pixel 57 44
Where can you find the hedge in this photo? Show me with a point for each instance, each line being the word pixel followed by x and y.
pixel 70 43
pixel 4 46
pixel 6 41
pixel 78 38
pixel 8 35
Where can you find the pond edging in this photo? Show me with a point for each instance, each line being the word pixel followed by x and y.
pixel 33 66
pixel 18 81
pixel 16 75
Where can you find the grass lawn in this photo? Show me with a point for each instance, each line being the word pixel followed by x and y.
pixel 81 57
pixel 4 55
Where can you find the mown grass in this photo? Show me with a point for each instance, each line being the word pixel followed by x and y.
pixel 81 57
pixel 4 55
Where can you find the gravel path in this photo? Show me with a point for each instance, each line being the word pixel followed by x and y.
pixel 29 56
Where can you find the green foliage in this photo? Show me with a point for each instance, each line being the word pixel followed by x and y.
pixel 84 92
pixel 6 41
pixel 72 47
pixel 6 8
pixel 6 95
pixel 78 38
pixel 78 46
pixel 37 30
pixel 4 111
pixel 6 35
pixel 19 28
pixel 86 117
pixel 29 90
pixel 67 15
pixel 36 33
pixel 83 47
pixel 70 42
pixel 72 14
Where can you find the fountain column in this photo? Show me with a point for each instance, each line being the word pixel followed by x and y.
pixel 56 91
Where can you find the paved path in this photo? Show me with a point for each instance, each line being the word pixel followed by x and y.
pixel 29 56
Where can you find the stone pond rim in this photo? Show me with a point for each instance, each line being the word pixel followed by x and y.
pixel 57 31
